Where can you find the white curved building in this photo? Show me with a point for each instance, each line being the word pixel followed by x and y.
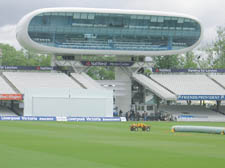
pixel 75 31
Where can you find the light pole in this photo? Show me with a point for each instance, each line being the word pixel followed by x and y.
pixel 198 61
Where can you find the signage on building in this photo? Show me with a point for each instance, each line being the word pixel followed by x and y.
pixel 106 63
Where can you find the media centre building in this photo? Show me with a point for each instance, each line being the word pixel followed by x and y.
pixel 124 34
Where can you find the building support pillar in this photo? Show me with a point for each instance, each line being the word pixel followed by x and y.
pixel 123 101
pixel 218 103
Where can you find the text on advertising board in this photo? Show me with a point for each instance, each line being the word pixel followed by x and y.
pixel 11 97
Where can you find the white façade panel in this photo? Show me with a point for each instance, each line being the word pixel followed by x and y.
pixel 43 106
pixel 60 102
pixel 41 92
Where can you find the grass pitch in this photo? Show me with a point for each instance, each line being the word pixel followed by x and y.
pixel 107 145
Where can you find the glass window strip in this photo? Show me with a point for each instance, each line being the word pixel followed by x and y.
pixel 122 25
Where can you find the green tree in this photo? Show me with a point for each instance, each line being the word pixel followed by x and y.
pixel 167 62
pixel 189 60
pixel 206 60
pixel 214 55
pixel 218 49
pixel 12 57
pixel 101 73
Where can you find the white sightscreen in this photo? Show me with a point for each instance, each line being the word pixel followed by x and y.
pixel 82 107
pixel 68 102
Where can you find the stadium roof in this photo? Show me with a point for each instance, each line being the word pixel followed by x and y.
pixel 189 84
pixel 23 80
pixel 154 87
pixel 86 81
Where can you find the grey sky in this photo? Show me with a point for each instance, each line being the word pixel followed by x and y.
pixel 211 12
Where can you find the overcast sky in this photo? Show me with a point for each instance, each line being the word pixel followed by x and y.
pixel 210 12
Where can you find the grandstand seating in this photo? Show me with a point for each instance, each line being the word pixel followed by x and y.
pixel 189 84
pixel 119 88
pixel 154 87
pixel 86 81
pixel 219 78
pixel 4 111
pixel 5 88
pixel 191 113
pixel 82 43
pixel 23 80
pixel 166 86
pixel 222 109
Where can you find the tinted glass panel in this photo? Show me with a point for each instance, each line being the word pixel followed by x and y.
pixel 113 31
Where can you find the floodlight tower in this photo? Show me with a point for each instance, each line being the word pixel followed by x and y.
pixel 128 35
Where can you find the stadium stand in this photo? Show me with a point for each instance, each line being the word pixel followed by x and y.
pixel 23 80
pixel 222 109
pixel 219 79
pixel 189 84
pixel 5 87
pixel 170 86
pixel 154 87
pixel 166 86
pixel 118 87
pixel 86 81
pixel 191 113
pixel 4 111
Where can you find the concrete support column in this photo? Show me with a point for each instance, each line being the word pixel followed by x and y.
pixel 123 102
pixel 12 104
pixel 53 60
pixel 218 103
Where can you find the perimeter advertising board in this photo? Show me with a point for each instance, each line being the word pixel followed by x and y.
pixel 158 70
pixel 65 119
pixel 39 68
pixel 201 97
pixel 11 97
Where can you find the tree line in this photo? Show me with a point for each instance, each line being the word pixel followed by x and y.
pixel 12 57
pixel 211 56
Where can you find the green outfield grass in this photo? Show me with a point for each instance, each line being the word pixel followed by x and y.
pixel 107 145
